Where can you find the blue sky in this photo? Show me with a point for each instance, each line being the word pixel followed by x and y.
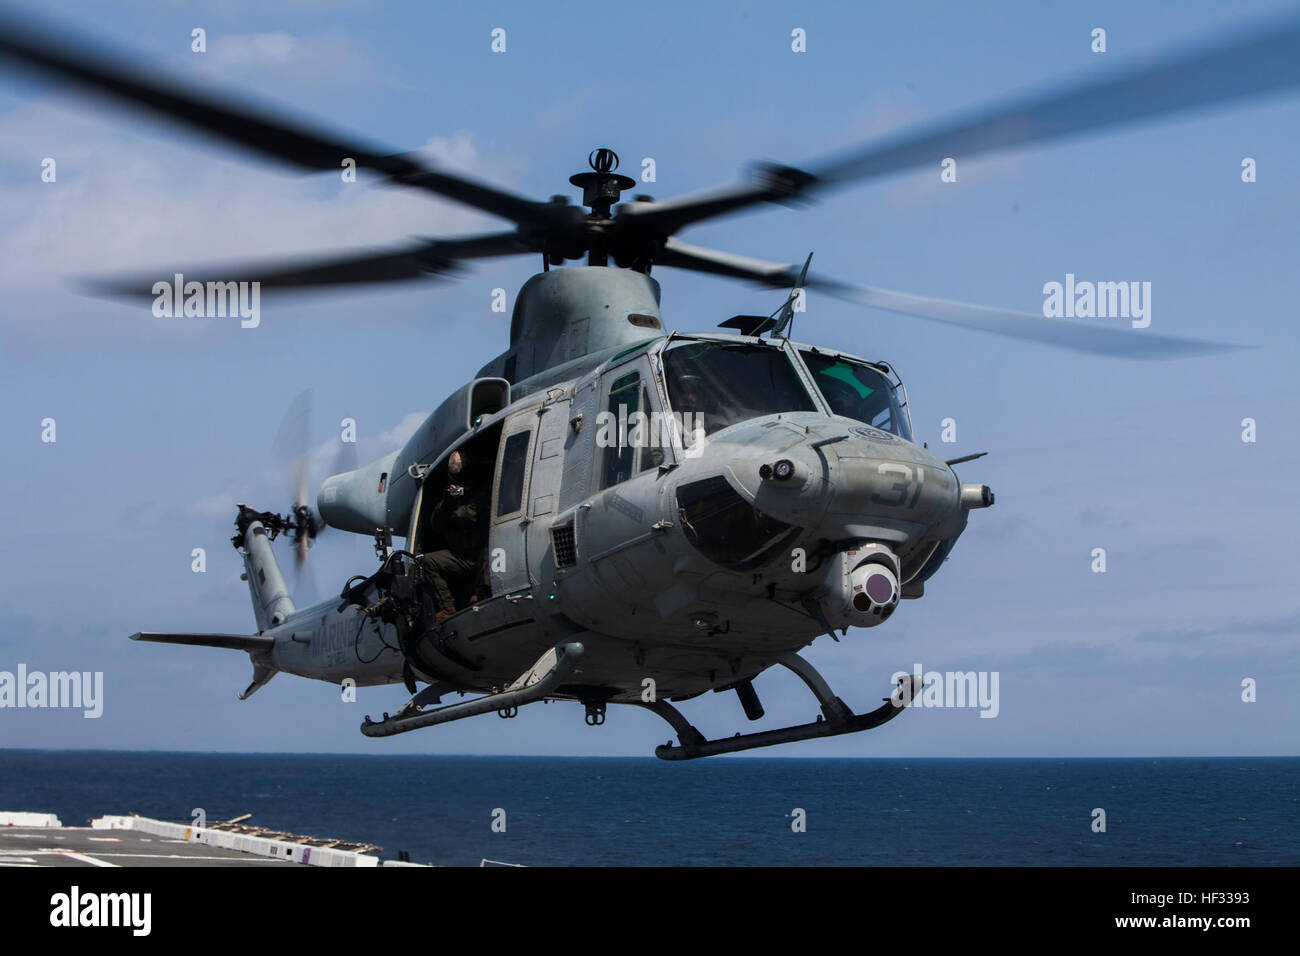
pixel 164 425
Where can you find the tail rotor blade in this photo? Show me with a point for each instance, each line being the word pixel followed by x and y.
pixel 292 446
pixel 305 590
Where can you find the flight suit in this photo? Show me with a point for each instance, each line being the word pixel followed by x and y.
pixel 457 530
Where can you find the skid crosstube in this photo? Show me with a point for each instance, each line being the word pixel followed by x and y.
pixel 538 682
pixel 836 718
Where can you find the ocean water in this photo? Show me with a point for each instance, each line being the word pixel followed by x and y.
pixel 561 811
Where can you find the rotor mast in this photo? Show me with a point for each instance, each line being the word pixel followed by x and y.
pixel 601 188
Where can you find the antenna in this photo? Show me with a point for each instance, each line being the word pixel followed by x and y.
pixel 787 310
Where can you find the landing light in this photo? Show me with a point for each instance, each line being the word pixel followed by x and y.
pixel 783 470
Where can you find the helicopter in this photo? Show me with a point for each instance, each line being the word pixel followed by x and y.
pixel 660 514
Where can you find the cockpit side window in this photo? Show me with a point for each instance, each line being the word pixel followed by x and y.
pixel 720 384
pixel 857 391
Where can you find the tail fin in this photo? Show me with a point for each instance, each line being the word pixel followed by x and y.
pixel 271 601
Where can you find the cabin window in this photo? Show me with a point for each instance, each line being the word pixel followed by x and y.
pixel 514 463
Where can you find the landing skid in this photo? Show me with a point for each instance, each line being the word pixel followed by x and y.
pixel 538 682
pixel 544 677
pixel 836 718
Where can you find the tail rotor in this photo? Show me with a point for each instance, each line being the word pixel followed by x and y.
pixel 292 449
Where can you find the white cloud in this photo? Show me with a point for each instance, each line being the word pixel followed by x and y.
pixel 398 435
pixel 309 60
pixel 247 49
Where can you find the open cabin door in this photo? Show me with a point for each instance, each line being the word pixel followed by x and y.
pixel 455 425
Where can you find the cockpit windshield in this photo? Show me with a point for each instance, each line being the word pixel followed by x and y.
pixel 857 391
pixel 722 384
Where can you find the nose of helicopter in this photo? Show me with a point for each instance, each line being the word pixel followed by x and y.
pixel 844 480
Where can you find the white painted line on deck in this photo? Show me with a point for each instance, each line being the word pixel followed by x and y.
pixel 241 859
pixel 83 858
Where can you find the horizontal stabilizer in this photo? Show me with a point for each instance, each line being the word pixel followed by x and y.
pixel 235 642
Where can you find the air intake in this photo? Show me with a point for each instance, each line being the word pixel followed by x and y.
pixel 564 545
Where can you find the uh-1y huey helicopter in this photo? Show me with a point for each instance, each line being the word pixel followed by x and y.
pixel 661 512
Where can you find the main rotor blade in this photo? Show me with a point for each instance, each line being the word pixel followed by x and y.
pixel 430 258
pixel 665 218
pixel 1267 59
pixel 253 128
pixel 1063 333
pixel 1258 62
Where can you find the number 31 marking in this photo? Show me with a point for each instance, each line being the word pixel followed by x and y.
pixel 902 486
